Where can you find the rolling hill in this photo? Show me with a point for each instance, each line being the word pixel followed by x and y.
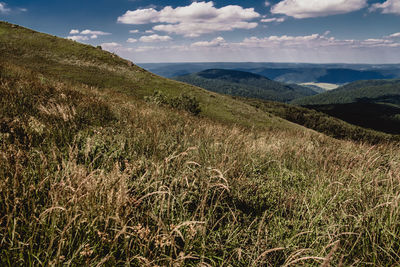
pixel 321 120
pixel 387 91
pixel 245 84
pixel 321 75
pixel 371 104
pixel 69 61
pixel 104 163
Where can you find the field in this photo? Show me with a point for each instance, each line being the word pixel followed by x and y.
pixel 325 86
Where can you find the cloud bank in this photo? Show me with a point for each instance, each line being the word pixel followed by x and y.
pixel 78 38
pixel 77 35
pixel 301 9
pixel 154 38
pixel 317 48
pixel 195 19
pixel 388 7
pixel 90 32
pixel 4 9
pixel 273 20
pixel 219 41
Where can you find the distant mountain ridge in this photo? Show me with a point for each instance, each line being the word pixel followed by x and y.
pixel 229 75
pixel 287 72
pixel 245 84
pixel 321 75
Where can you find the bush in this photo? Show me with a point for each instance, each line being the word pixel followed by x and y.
pixel 187 103
pixel 158 98
pixel 183 102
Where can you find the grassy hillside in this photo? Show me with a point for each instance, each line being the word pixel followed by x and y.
pixel 69 61
pixel 245 84
pixel 90 174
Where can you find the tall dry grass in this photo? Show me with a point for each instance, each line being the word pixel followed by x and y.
pixel 95 178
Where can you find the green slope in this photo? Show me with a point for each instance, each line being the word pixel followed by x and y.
pixel 67 60
pixel 245 84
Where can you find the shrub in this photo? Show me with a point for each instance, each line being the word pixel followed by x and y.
pixel 182 102
pixel 158 98
pixel 187 103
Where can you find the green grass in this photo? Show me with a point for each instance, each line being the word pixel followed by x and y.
pixel 93 175
pixel 69 61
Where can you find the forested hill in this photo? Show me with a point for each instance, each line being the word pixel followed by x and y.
pixel 387 91
pixel 371 104
pixel 245 84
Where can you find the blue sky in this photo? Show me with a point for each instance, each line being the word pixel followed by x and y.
pixel 315 31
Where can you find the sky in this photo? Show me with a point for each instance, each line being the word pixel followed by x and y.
pixel 144 31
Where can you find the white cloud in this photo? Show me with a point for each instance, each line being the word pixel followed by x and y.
pixel 78 38
pixel 219 41
pixel 74 31
pixel 388 7
pixel 149 31
pixel 133 31
pixel 139 16
pixel 116 48
pixel 110 45
pixel 273 20
pixel 82 36
pixel 314 41
pixel 317 48
pixel 195 30
pixel 4 9
pixel 284 40
pixel 146 48
pixel 155 38
pixel 317 8
pixel 90 32
pixel 267 3
pixel 194 20
pixel 394 35
pixel 164 49
pixel 131 40
pixel 378 43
